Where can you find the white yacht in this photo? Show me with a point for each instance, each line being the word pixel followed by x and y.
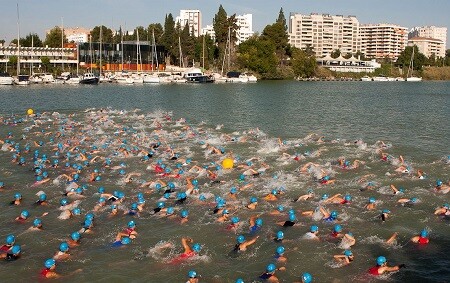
pixel 22 80
pixel 6 79
pixel 124 78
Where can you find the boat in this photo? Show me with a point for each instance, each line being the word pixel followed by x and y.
pixel 380 79
pixel 251 78
pixel 73 80
pixel 6 79
pixel 151 79
pixel 195 75
pixel 124 78
pixel 47 78
pixel 89 79
pixel 35 79
pixel 22 80
pixel 409 76
pixel 366 79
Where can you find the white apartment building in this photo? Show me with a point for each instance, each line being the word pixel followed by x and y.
pixel 192 18
pixel 380 41
pixel 428 46
pixel 324 33
pixel 245 31
pixel 209 29
pixel 77 35
pixel 430 32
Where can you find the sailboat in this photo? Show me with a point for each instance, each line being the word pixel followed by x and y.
pixel 21 79
pixel 410 77
pixel 89 78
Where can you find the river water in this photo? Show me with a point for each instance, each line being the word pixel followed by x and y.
pixel 411 118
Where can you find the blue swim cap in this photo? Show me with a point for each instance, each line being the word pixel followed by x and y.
pixel 101 200
pixel 192 274
pixel 235 219
pixel 75 236
pixel 348 197
pixel 314 228
pixel 49 263
pixel 292 217
pixel 385 211
pixel 76 211
pixel 101 190
pixel 240 239
pixel 225 211
pixel 233 190
pixel 166 195
pixel 381 260
pixel 306 277
pixel 348 253
pixel 259 222
pixel 10 239
pixel 98 178
pixel 196 247
pixel 2 184
pixel 239 280
pixel 134 206
pixel 271 268
pixel 87 223
pixel 15 249
pixel 39 178
pixel 291 211
pixel 326 178
pixel 371 200
pixel 280 208
pixel 337 228
pixel 42 197
pixel 64 247
pixel 424 233
pixel 63 202
pixel 167 170
pixel 439 183
pixel 280 250
pixel 280 235
pixel 161 204
pixel 184 213
pixel 414 200
pixel 202 198
pixel 274 192
pixel 194 182
pixel 17 196
pixel 157 186
pixel 334 214
pixel 140 195
pixel 90 216
pixel 25 213
pixel 324 196
pixel 37 222
pixel 121 195
pixel 125 240
pixel 122 172
pixel 131 224
pixel 170 210
pixel 253 200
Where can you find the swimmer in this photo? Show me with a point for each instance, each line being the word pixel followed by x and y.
pixel 42 199
pixel 253 203
pixel 122 242
pixel 130 231
pixel 395 190
pixel 269 274
pixel 63 252
pixel 49 270
pixel 224 217
pixel 74 239
pixel 372 204
pixel 422 238
pixel 329 216
pixel 37 225
pixel 255 224
pixel 184 216
pixel 382 267
pixel 306 278
pixel 279 254
pixel 279 237
pixel 192 275
pixel 17 199
pixel 12 254
pixel 441 187
pixel 278 211
pixel 272 196
pixel 289 223
pixel 189 251
pixel 312 234
pixel 23 216
pixel 345 258
pixel 385 213
pixel 337 231
pixel 242 244
pixel 337 199
pixel 348 240
pixel 392 239
pixel 310 194
pixel 408 201
pixel 10 241
pixel 443 210
pixel 326 180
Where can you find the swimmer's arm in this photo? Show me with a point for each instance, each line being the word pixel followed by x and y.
pixel 184 242
pixel 339 257
pixel 394 188
pixel 248 243
pixel 392 238
pixel 439 211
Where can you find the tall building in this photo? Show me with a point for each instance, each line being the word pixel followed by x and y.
pixel 380 41
pixel 77 34
pixel 245 31
pixel 428 46
pixel 430 32
pixel 192 18
pixel 209 29
pixel 324 33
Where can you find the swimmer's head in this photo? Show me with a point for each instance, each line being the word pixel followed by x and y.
pixel 271 268
pixel 192 274
pixel 414 200
pixel 76 211
pixel 75 236
pixel 385 211
pixel 10 239
pixel 89 216
pixel 235 220
pixel 64 247
pixel 170 210
pixel 240 239
pixel 63 202
pixel 161 204
pixel 233 190
pixel 15 250
pixel 102 200
pixel 125 240
pixel 348 253
pixel 225 211
pixel 280 250
pixel 381 260
pixel 424 233
pixel 337 228
pixel 258 222
pixel 184 213
pixel 196 247
pixel 49 263
pixel 280 208
pixel 439 183
pixel 274 192
pixel 17 196
pixel 324 196
pixel 253 200
pixel 134 206
pixel 242 177
pixel 131 224
pixel 334 214
pixel 292 217
pixel 314 229
pixel 280 235
pixel 306 277
pixel 326 178
pixel 372 200
pixel 37 222
pixel 24 214
pixel 348 198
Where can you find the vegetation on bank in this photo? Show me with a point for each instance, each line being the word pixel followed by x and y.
pixel 268 55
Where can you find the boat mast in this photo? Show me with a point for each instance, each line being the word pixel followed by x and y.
pixel 32 54
pixel 90 52
pixel 203 51
pixel 18 42
pixel 154 53
pixel 100 50
pixel 181 54
pixel 78 55
pixel 62 42
pixel 229 48
pixel 138 52
pixel 121 41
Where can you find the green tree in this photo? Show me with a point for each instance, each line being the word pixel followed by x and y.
pixel 336 53
pixel 447 58
pixel 303 64
pixel 405 57
pixel 31 39
pixel 258 55
pixel 169 38
pixel 53 38
pixel 223 25
pixel 107 34
pixel 12 61
pixel 46 63
pixel 282 19
pixel 2 42
pixel 158 30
